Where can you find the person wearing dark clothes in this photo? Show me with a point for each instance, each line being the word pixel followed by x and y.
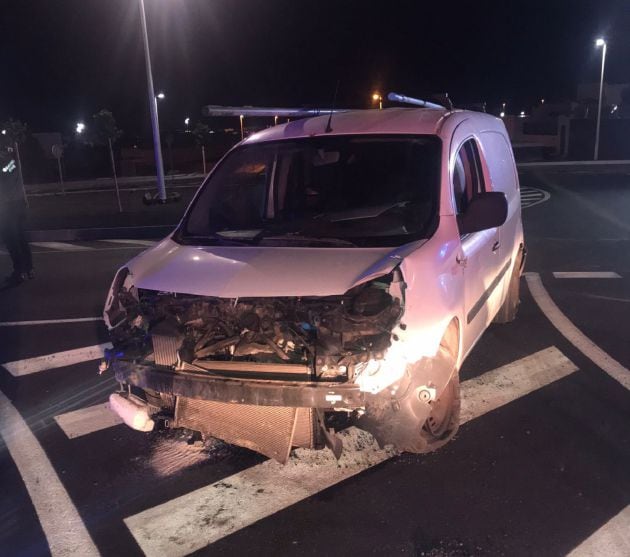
pixel 12 219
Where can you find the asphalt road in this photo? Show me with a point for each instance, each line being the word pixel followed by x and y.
pixel 539 468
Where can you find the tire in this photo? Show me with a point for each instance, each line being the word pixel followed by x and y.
pixel 443 421
pixel 507 312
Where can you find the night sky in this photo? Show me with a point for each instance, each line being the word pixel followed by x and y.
pixel 65 59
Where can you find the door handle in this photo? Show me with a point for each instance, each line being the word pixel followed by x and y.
pixel 496 246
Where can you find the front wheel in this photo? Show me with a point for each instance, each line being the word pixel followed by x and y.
pixel 443 421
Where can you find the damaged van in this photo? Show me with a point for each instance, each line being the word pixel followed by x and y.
pixel 336 266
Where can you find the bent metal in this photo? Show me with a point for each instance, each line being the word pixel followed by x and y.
pixel 332 272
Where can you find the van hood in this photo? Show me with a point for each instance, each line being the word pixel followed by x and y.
pixel 257 271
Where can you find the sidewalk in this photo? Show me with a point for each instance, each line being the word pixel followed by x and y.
pixel 94 215
pixel 125 182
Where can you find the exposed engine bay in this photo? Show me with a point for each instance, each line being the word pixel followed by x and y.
pixel 276 340
pixel 325 336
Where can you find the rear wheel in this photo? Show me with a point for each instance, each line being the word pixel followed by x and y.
pixel 507 312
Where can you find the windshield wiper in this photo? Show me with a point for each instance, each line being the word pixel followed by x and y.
pixel 297 237
pixel 216 238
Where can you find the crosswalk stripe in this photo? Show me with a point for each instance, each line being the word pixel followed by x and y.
pixel 612 539
pixel 49 321
pixel 60 246
pixel 131 242
pixel 577 338
pixel 62 525
pixel 197 519
pixel 585 274
pixel 56 360
pixel 87 420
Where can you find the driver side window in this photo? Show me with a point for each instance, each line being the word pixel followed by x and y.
pixel 467 176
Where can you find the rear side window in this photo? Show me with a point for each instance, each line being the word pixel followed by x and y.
pixel 467 176
pixel 500 162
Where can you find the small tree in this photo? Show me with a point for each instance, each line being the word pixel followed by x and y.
pixel 200 131
pixel 104 131
pixel 16 133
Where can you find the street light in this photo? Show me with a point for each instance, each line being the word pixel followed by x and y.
pixel 155 125
pixel 379 98
pixel 600 42
pixel 241 117
pixel 161 96
pixel 187 123
pixel 80 127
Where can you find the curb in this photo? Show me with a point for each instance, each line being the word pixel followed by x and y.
pixel 86 234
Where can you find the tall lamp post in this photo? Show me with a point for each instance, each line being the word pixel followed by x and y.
pixel 378 97
pixel 155 125
pixel 600 42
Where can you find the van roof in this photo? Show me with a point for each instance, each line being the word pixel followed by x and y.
pixel 417 121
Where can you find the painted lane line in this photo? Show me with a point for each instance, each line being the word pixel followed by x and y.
pixel 49 321
pixel 131 242
pixel 612 539
pixel 61 246
pixel 560 321
pixel 64 530
pixel 197 519
pixel 87 420
pixel 59 359
pixel 499 387
pixel 586 275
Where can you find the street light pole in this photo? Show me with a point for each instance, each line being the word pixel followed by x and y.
pixel 155 125
pixel 602 43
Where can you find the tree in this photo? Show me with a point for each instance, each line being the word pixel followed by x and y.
pixel 104 131
pixel 15 133
pixel 200 131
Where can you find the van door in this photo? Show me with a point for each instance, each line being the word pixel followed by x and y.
pixel 480 251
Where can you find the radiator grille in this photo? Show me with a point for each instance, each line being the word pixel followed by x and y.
pixel 165 349
pixel 270 430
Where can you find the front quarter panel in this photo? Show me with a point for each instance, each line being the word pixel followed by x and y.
pixel 434 291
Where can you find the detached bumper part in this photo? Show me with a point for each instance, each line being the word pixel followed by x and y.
pixel 133 411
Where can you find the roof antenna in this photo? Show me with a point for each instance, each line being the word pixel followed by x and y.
pixel 334 103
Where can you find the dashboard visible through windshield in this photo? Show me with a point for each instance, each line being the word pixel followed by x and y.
pixel 364 190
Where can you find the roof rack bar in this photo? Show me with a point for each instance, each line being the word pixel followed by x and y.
pixel 216 110
pixel 397 97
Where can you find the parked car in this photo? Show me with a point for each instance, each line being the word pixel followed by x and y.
pixel 341 265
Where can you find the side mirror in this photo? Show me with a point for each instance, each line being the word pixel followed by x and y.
pixel 485 210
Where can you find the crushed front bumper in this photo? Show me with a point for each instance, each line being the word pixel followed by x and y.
pixel 259 392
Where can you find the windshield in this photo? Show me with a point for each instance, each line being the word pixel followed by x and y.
pixel 338 190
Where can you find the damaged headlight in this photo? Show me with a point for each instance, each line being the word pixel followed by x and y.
pixel 115 311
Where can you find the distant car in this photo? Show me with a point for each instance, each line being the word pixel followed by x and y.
pixel 322 273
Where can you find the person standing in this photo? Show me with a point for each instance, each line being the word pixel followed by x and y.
pixel 12 219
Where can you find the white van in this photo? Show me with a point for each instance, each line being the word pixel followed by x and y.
pixel 325 269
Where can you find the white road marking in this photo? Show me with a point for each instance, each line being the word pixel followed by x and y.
pixel 197 519
pixel 586 275
pixel 504 384
pixel 560 321
pixel 59 359
pixel 87 420
pixel 532 196
pixel 60 246
pixel 132 242
pixel 49 321
pixel 64 530
pixel 612 539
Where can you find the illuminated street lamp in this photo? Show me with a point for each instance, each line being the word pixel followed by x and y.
pixel 187 123
pixel 155 125
pixel 502 114
pixel 80 128
pixel 241 118
pixel 378 97
pixel 161 96
pixel 600 42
